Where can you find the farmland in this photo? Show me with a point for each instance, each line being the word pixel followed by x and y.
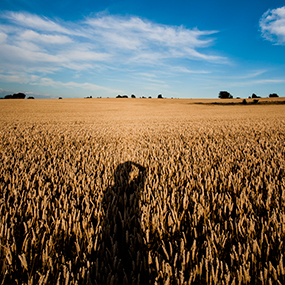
pixel 141 191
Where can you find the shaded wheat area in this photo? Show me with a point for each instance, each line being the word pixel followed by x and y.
pixel 193 201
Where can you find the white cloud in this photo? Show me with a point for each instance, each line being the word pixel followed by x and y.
pixel 150 40
pixel 57 84
pixel 20 77
pixel 26 53
pixel 3 37
pixel 252 79
pixel 32 45
pixel 186 70
pixel 252 83
pixel 143 31
pixel 84 55
pixel 30 35
pixel 264 81
pixel 35 22
pixel 120 40
pixel 15 78
pixel 272 24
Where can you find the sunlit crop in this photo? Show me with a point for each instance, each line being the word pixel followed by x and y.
pixel 142 195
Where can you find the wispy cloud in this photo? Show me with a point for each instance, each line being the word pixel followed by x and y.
pixel 247 75
pixel 272 24
pixel 144 39
pixel 35 22
pixel 265 81
pixel 107 39
pixel 23 78
pixel 250 79
pixel 89 86
pixel 33 46
pixel 33 36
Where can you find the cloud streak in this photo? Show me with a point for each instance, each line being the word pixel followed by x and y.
pixel 35 22
pixel 33 46
pixel 107 39
pixel 272 24
pixel 71 84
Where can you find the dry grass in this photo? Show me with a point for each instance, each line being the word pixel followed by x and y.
pixel 138 191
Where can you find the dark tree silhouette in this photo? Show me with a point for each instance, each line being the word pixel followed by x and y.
pixel 273 95
pixel 159 96
pixel 19 96
pixel 16 96
pixel 122 257
pixel 133 96
pixel 225 95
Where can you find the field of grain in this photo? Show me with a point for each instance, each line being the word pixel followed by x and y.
pixel 141 191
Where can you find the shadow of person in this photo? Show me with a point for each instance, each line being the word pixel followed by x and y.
pixel 122 256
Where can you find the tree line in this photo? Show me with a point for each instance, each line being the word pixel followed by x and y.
pixel 134 96
pixel 17 96
pixel 227 95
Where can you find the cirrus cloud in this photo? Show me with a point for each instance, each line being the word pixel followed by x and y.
pixel 33 45
pixel 108 39
pixel 35 22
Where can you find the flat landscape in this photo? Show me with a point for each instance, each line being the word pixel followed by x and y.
pixel 142 191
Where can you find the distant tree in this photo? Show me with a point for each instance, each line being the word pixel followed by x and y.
pixel 19 96
pixel 255 101
pixel 273 95
pixel 8 97
pixel 59 97
pixel 149 97
pixel 225 95
pixel 255 96
pixel 133 96
pixel 31 97
pixel 159 96
pixel 125 96
pixel 119 96
pixel 244 102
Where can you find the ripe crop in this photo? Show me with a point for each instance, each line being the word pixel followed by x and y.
pixel 141 192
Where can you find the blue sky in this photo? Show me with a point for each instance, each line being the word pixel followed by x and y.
pixel 181 49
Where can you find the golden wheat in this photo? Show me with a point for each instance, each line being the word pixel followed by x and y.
pixel 141 192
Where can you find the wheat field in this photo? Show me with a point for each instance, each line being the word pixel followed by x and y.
pixel 141 191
